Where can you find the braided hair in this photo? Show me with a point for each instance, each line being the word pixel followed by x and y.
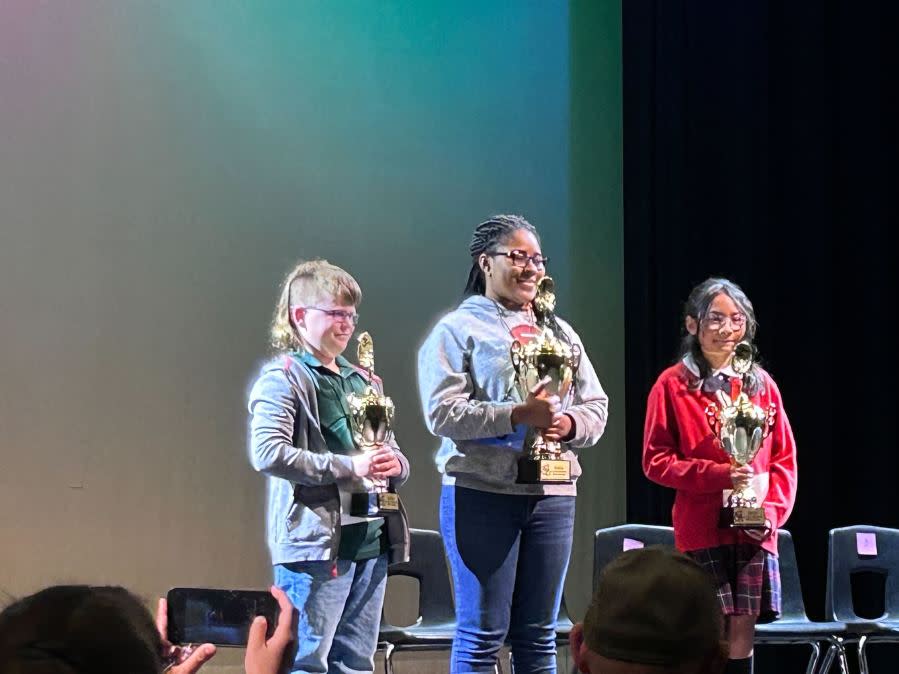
pixel 485 238
pixel 697 307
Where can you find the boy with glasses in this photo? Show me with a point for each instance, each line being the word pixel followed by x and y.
pixel 330 558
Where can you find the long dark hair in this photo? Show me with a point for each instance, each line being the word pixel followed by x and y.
pixel 697 307
pixel 485 238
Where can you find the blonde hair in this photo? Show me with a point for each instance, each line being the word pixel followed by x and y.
pixel 313 281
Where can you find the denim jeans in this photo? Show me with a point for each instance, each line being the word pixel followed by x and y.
pixel 508 555
pixel 339 614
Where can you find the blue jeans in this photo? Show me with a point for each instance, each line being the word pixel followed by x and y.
pixel 339 614
pixel 508 556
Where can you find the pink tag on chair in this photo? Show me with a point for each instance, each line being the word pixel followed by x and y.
pixel 632 544
pixel 866 544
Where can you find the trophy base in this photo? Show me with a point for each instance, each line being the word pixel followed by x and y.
pixel 544 471
pixel 374 504
pixel 741 517
pixel 388 501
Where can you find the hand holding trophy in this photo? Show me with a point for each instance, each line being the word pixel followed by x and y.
pixel 740 427
pixel 552 360
pixel 371 416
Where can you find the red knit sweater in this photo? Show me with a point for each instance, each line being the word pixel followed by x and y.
pixel 680 451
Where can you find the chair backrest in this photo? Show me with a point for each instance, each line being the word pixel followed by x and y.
pixel 427 564
pixel 861 548
pixel 792 605
pixel 609 543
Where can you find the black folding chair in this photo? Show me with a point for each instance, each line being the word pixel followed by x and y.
pixel 436 624
pixel 858 549
pixel 610 542
pixel 794 626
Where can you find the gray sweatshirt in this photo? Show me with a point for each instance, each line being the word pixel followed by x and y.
pixel 467 387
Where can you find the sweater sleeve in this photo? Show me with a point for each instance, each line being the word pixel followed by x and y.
pixel 591 406
pixel 445 389
pixel 782 466
pixel 274 410
pixel 664 463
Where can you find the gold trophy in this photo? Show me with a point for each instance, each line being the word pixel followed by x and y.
pixel 371 415
pixel 545 356
pixel 740 427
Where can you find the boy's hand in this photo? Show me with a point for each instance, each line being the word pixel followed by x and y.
pixel 377 464
pixel 384 463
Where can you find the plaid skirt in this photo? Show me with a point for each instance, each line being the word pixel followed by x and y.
pixel 747 578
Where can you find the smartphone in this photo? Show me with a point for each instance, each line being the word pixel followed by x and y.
pixel 222 617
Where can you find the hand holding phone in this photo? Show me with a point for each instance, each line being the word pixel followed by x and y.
pixel 276 654
pixel 179 659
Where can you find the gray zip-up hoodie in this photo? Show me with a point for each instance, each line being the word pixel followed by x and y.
pixel 303 500
pixel 467 387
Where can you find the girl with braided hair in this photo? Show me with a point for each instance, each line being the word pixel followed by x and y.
pixel 508 543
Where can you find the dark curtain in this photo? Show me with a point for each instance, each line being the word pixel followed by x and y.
pixel 760 143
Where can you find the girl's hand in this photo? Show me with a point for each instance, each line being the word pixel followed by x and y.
pixel 560 429
pixel 540 409
pixel 741 475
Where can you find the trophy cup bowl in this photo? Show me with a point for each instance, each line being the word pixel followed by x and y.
pixel 740 427
pixel 552 358
pixel 371 416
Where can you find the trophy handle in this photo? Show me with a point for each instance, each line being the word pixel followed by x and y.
pixel 515 353
pixel 770 417
pixel 711 415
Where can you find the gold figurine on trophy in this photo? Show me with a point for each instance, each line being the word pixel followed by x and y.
pixel 740 427
pixel 546 356
pixel 371 414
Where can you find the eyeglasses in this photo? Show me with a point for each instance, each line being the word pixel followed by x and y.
pixel 520 258
pixel 716 321
pixel 338 314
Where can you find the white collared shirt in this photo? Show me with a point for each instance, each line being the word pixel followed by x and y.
pixel 690 363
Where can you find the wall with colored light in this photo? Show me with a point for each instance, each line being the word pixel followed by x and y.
pixel 163 164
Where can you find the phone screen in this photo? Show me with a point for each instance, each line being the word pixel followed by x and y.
pixel 222 617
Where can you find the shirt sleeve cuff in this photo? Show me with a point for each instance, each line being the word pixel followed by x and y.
pixel 502 417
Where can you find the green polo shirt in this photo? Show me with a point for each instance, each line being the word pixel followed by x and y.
pixel 362 540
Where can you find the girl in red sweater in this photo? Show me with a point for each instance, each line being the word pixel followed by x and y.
pixel 681 451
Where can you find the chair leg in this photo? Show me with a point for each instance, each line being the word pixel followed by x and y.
pixel 511 663
pixel 388 659
pixel 812 666
pixel 827 660
pixel 844 661
pixel 862 656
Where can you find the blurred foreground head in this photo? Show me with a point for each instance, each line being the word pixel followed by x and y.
pixel 655 611
pixel 79 628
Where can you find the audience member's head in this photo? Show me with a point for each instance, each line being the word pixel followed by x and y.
pixel 655 611
pixel 78 628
